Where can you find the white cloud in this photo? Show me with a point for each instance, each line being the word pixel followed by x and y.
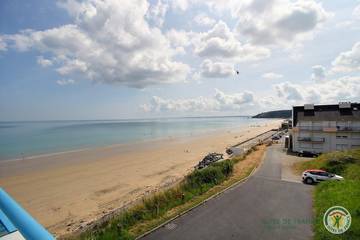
pixel 331 91
pixel 210 69
pixel 64 82
pixel 318 73
pixel 44 62
pixel 219 102
pixel 286 94
pixel 196 77
pixel 220 42
pixel 157 13
pixel 110 42
pixel 204 20
pixel 344 24
pixel 348 61
pixel 233 101
pixel 3 46
pixel 181 5
pixel 288 91
pixel 356 12
pixel 271 75
pixel 158 104
pixel 72 66
pixel 278 21
pixel 178 38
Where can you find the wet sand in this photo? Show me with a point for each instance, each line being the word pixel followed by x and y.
pixel 64 191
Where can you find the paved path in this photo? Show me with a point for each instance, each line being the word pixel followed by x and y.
pixel 264 207
pixel 240 148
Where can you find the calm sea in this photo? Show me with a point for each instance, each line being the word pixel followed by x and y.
pixel 24 139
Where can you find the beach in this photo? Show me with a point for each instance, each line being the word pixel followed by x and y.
pixel 67 190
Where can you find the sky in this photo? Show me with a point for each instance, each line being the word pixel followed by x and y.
pixel 110 59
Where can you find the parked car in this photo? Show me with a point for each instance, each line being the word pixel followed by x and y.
pixel 276 137
pixel 316 175
pixel 307 154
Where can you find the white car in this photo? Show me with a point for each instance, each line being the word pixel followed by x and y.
pixel 316 175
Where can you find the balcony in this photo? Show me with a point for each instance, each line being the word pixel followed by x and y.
pixel 310 128
pixel 326 129
pixel 311 139
pixel 347 129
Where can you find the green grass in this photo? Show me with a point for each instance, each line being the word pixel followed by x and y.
pixel 196 183
pixel 344 193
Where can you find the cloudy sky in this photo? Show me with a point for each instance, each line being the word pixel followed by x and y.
pixel 107 59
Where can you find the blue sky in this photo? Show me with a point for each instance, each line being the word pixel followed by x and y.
pixel 105 59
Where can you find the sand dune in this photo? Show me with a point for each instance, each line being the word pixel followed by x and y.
pixel 66 190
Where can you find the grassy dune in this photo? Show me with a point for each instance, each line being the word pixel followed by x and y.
pixel 345 193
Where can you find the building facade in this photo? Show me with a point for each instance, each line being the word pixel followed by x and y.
pixel 326 128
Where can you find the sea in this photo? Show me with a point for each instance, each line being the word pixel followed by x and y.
pixel 25 139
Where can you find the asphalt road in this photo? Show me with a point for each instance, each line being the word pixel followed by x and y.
pixel 264 207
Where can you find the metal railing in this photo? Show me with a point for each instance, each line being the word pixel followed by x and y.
pixel 311 128
pixel 311 139
pixel 347 129
pixel 22 220
pixel 337 128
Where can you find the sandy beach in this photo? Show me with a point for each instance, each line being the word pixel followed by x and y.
pixel 64 191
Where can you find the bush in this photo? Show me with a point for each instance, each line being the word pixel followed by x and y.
pixel 209 176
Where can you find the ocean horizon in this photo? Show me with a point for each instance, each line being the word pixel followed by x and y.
pixel 22 139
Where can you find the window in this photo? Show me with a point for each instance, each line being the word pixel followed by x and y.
pixel 341 136
pixel 340 147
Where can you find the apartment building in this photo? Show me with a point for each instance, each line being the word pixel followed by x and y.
pixel 326 128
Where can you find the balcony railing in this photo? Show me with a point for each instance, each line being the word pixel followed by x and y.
pixel 327 129
pixel 311 128
pixel 311 139
pixel 347 129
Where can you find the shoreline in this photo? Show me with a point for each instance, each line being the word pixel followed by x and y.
pixel 131 142
pixel 67 190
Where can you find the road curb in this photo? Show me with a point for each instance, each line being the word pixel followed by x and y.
pixel 203 202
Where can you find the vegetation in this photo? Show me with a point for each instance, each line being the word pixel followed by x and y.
pixel 196 187
pixel 160 207
pixel 274 114
pixel 345 193
pixel 194 184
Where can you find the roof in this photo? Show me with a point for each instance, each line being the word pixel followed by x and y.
pixel 327 113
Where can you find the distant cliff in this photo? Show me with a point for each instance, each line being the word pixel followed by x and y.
pixel 274 114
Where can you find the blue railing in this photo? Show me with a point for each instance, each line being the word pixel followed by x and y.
pixel 26 225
